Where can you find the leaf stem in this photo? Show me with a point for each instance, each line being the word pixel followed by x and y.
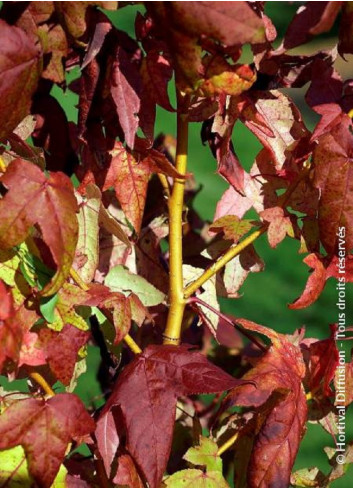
pixel 176 202
pixel 227 444
pixel 127 338
pixel 225 318
pixel 43 383
pixel 231 253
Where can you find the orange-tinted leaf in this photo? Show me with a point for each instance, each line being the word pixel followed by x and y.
pixel 157 377
pixel 20 67
pixel 48 202
pixel 74 15
pixel 30 353
pixel 127 475
pixel 119 304
pixel 44 429
pixel 279 225
pixel 10 329
pixel 280 369
pixel 315 284
pixel 228 22
pixel 129 179
pixel 232 227
pixel 334 178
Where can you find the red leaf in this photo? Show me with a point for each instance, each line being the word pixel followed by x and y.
pixel 130 179
pixel 120 306
pixel 125 90
pixel 231 23
pixel 19 73
pixel 156 378
pixel 107 440
pixel 311 19
pixel 315 284
pixel 127 475
pixel 334 177
pixel 44 429
pixel 10 329
pixel 279 225
pixel 280 369
pixel 322 358
pixel 61 350
pixel 48 202
pixel 276 122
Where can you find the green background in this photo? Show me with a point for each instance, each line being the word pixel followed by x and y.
pixel 265 295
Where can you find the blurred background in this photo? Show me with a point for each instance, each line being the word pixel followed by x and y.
pixel 264 295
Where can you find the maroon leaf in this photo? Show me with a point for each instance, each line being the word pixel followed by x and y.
pixel 334 179
pixel 157 377
pixel 281 369
pixel 322 358
pixel 127 475
pixel 61 350
pixel 311 19
pixel 125 90
pixel 20 68
pixel 44 429
pixel 107 440
pixel 48 202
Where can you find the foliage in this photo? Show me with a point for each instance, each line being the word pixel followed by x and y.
pixel 100 243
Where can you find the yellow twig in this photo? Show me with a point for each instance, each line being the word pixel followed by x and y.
pixel 2 166
pixel 43 383
pixel 165 184
pixel 232 252
pixel 127 338
pixel 75 276
pixel 176 202
pixel 227 444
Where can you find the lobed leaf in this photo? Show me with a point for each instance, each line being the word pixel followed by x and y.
pixel 48 202
pixel 20 68
pixel 157 377
pixel 44 429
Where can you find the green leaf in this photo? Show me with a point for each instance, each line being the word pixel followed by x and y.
pixel 14 470
pixel 87 249
pixel 120 279
pixel 196 478
pixel 205 454
pixel 232 227
pixel 47 307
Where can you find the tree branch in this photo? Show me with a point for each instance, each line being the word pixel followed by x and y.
pixel 176 202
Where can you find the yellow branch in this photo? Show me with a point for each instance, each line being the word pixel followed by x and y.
pixel 232 252
pixel 127 338
pixel 2 166
pixel 227 444
pixel 43 383
pixel 176 202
